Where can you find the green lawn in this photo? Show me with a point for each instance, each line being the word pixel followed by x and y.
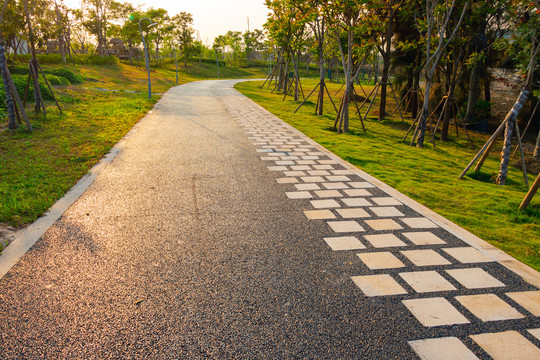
pixel 36 169
pixel 429 175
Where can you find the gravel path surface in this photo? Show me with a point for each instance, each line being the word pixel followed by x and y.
pixel 220 232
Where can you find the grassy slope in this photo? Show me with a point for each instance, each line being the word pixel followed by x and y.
pixel 429 175
pixel 37 169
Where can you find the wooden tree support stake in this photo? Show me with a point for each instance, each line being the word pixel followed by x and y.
pixel 530 194
pixel 50 88
pixel 18 99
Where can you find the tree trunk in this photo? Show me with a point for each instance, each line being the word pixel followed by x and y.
pixel 474 85
pixel 12 122
pixel 320 99
pixel 386 66
pixel 422 123
pixel 416 94
pixel 38 99
pixel 505 153
pixel 536 153
pixel 296 77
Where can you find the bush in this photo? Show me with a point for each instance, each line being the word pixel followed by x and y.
pixel 66 74
pixel 20 84
pixel 99 60
pixel 57 80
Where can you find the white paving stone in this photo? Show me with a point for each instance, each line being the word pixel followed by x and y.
pixel 300 167
pixel 423 238
pixel 294 173
pixel 356 202
pixel 361 185
pixel 383 224
pixel 342 172
pixel 319 214
pixel 467 255
pixel 435 312
pixel 427 281
pixel 305 162
pixel 345 226
pixel 384 240
pixel 426 257
pixel 419 223
pixel 306 187
pixel 335 186
pixel 338 178
pixel 318 172
pixel 290 180
pixel 328 193
pixel 312 179
pixel 474 278
pixel 380 260
pixel 298 194
pixel 323 167
pixel 530 300
pixel 447 348
pixel 357 192
pixel 378 285
pixel 386 201
pixel 325 204
pixel 386 211
pixel 507 345
pixel 327 162
pixel 353 213
pixel 344 243
pixel 284 162
pixel 489 307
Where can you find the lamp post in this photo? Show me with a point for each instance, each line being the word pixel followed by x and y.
pixel 146 53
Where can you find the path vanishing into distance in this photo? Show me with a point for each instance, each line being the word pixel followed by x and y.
pixel 218 231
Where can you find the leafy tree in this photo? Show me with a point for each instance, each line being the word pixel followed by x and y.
pixel 183 31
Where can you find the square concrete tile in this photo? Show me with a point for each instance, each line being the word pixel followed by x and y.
pixel 290 180
pixel 284 162
pixel 386 201
pixel 319 214
pixel 300 167
pixel 489 307
pixel 384 240
pixel 306 187
pixel 294 173
pixel 419 223
pixel 318 172
pixel 535 333
pixel 323 167
pixel 530 300
pixel 361 185
pixel 435 312
pixel 328 193
pixel 298 194
pixel 356 202
pixel 467 255
pixel 507 345
pixel 427 281
pixel 335 186
pixel 378 285
pixel 386 211
pixel 338 178
pixel 447 348
pixel 306 162
pixel 425 257
pixel 327 162
pixel 312 179
pixel 342 172
pixel 384 224
pixel 358 192
pixel 324 204
pixel 423 238
pixel 380 260
pixel 344 243
pixel 474 278
pixel 345 226
pixel 353 213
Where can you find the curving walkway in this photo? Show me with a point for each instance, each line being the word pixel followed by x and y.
pixel 221 232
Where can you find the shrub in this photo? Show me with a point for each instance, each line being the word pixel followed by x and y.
pixel 67 74
pixel 57 80
pixel 20 84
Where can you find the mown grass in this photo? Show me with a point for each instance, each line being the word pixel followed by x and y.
pixel 38 168
pixel 429 175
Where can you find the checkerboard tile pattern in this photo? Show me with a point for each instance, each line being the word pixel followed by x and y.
pixel 441 281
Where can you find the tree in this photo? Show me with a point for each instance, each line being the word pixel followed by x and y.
pixel 253 42
pixel 183 32
pixel 434 28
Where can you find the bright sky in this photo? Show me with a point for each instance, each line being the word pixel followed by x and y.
pixel 210 17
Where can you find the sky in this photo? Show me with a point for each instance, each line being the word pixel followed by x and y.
pixel 210 17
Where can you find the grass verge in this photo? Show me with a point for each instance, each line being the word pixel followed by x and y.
pixel 429 175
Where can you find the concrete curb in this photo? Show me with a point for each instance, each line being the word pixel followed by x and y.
pixel 528 274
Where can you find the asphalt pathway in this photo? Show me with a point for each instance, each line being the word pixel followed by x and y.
pixel 220 232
